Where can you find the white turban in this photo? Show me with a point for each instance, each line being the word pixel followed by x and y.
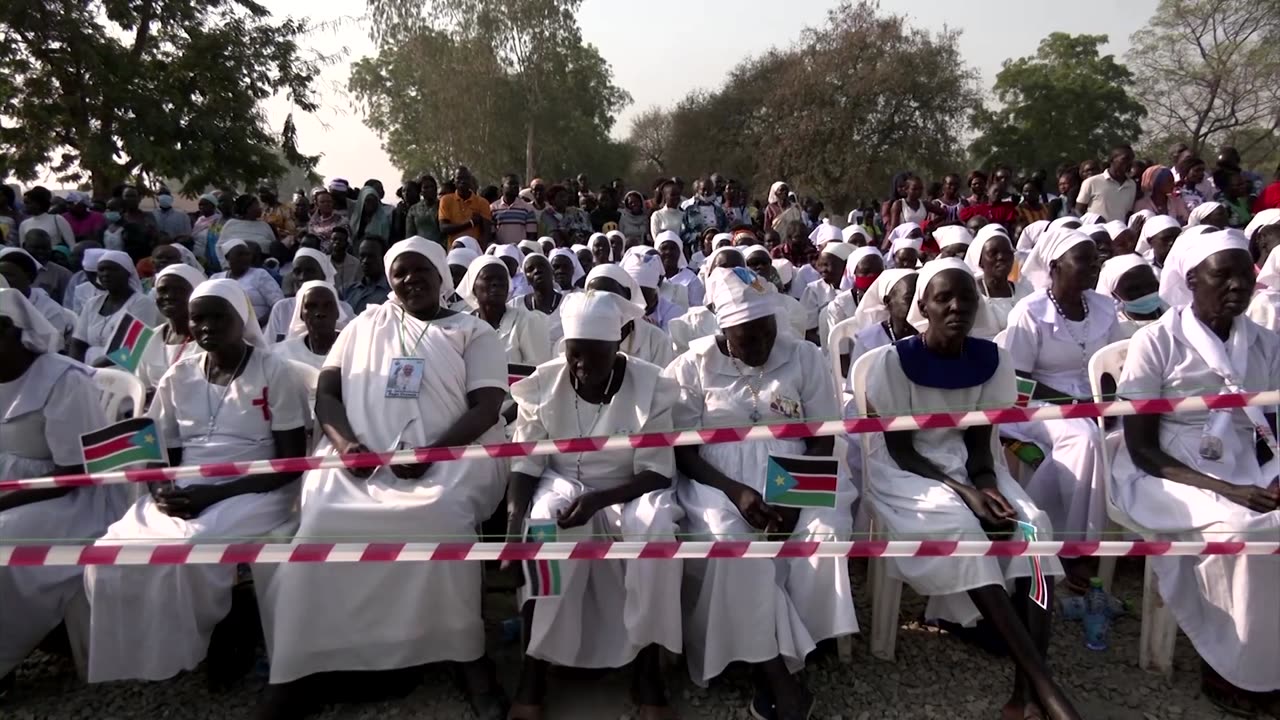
pixel 430 250
pixel 193 276
pixel 91 258
pixel 578 272
pixel 461 257
pixel 38 335
pixel 230 291
pixel 874 307
pixel 973 256
pixel 787 271
pixel 1270 216
pixel 824 233
pixel 620 276
pixel 297 326
pixel 644 268
pixel 467 242
pixel 122 259
pixel 740 296
pixel 1154 225
pixel 949 235
pixel 467 287
pixel 1052 247
pixel 1143 214
pixel 1202 211
pixel 903 230
pixel 985 324
pixel 596 315
pixel 1031 233
pixel 1186 255
pixel 1116 267
pixel 326 266
pixel 1094 228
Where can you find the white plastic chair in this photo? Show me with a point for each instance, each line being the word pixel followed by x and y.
pixel 1159 628
pixel 886 591
pixel 116 386
pixel 843 330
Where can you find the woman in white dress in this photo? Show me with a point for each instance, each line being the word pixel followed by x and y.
pixel 523 332
pixel 951 483
pixel 173 340
pixel 991 257
pixel 459 259
pixel 1132 283
pixel 20 270
pixel 1264 309
pixel 608 613
pixel 543 298
pixel 680 284
pixel 865 264
pixel 640 339
pixel 47 401
pixel 513 259
pixel 394 617
pixel 832 261
pixel 1202 477
pixel 308 265
pixel 122 295
pixel 645 267
pixel 263 290
pixel 904 242
pixel 791 314
pixel 234 401
pixel 954 240
pixel 769 613
pixel 313 330
pixel 567 270
pixel 700 321
pixel 881 317
pixel 1052 333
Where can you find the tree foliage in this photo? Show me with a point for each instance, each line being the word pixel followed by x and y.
pixel 1209 71
pixel 493 84
pixel 101 90
pixel 1066 103
pixel 859 97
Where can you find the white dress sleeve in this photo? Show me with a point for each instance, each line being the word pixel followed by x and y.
pixel 661 460
pixel 687 414
pixel 288 398
pixel 72 410
pixel 528 426
pixel 164 408
pixel 485 360
pixel 266 284
pixel 1142 377
pixel 535 339
pixel 1022 339
pixel 818 397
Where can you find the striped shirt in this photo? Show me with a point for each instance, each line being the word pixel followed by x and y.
pixel 514 222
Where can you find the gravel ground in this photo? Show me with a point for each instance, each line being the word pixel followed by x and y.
pixel 935 676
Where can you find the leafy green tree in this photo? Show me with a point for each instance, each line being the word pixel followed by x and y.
pixel 1066 103
pixel 102 91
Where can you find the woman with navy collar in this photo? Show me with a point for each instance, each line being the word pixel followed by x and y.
pixel 952 483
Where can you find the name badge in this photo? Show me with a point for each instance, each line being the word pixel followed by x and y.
pixel 404 379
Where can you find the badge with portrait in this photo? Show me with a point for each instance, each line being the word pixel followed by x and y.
pixel 404 378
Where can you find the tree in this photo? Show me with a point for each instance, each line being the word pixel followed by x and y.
pixel 650 137
pixel 1066 103
pixel 556 91
pixel 105 91
pixel 1209 70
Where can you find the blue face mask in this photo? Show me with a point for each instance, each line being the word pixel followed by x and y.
pixel 113 216
pixel 164 201
pixel 1145 305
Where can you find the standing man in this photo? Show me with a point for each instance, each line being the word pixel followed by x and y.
pixel 140 234
pixel 514 218
pixel 1110 193
pixel 173 223
pixel 463 212
pixel 410 194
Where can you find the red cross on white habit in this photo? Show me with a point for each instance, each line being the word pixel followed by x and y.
pixel 262 403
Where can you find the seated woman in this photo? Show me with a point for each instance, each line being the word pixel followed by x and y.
pixel 308 265
pixel 1156 239
pixel 543 298
pixel 121 295
pixel 954 240
pixel 1264 309
pixel 881 317
pixel 831 264
pixel 951 483
pixel 700 321
pixel 313 330
pixel 263 290
pixel 905 243
pixel 769 613
pixel 19 270
pixel 609 612
pixel 513 259
pixel 601 249
pixel 645 267
pixel 1132 283
pixel 864 266
pixel 640 340
pixel 459 259
pixel 680 284
pixel 1205 476
pixel 1052 334
pixel 407 373
pixel 567 270
pixel 486 289
pixel 234 401
pixel 791 315
pixel 173 341
pixel 47 401
pixel 990 258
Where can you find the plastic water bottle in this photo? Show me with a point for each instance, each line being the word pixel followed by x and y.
pixel 511 629
pixel 1097 616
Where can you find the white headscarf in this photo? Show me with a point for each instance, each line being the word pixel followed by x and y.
pixel 547 244
pixel 122 259
pixel 467 287
pixel 851 265
pixel 428 249
pixel 230 291
pixel 1094 228
pixel 1050 248
pixel 91 258
pixel 645 269
pixel 38 335
pixel 1154 225
pixel 578 272
pixel 1270 216
pixel 226 245
pixel 296 325
pixel 985 324
pixel 1030 234
pixel 787 271
pixel 1116 267
pixel 532 246
pixel 903 229
pixel 874 307
pixel 1186 256
pixel 1269 274
pixel 720 240
pixel 326 265
pixel 669 236
pixel 854 229
pixel 599 237
pixel 949 235
pixel 1142 214
pixel 193 276
pixel 620 276
pixel 755 249
pixel 1092 218
pixel 973 256
pixel 6 252
pixel 461 257
pixel 1202 211
pixel 773 192
pixel 596 315
pixel 740 296
pixel 467 242
pixel 837 249
pixel 1115 227
pixel 824 233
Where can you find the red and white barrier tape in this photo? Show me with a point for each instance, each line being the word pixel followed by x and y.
pixel 927 421
pixel 381 552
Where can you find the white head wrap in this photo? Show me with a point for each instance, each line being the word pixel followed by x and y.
pixel 787 271
pixel 599 237
pixel 122 259
pixel 1115 227
pixel 188 257
pixel 985 324
pixel 530 246
pixel 873 307
pixel 1053 246
pixel 669 236
pixel 903 230
pixel 6 252
pixel 620 276
pixel 230 291
pixel 1094 228
pixel 1186 255
pixel 949 235
pixel 579 247
pixel 1091 218
pixel 754 249
pixel 297 326
pixel 1202 211
pixel 193 276
pixel 709 263
pixel 851 230
pixel 547 244
pixel 973 256
pixel 326 266
pixel 467 242
pixel 91 258
pixel 740 296
pixel 226 245
pixel 616 234
pixel 578 272
pixel 644 268
pixel 901 243
pixel 773 191
pixel 38 335
pixel 721 240
pixel 838 249
pixel 1030 234
pixel 1143 214
pixel 1117 266
pixel 851 265
pixel 596 315
pixel 1269 274
pixel 467 287
pixel 429 249
pixel 1154 225
pixel 824 233
pixel 461 257
pixel 1270 216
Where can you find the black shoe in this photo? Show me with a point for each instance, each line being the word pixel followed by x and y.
pixel 762 706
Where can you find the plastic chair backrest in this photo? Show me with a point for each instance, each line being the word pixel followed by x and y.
pixel 117 386
pixel 843 330
pixel 1109 360
pixel 999 338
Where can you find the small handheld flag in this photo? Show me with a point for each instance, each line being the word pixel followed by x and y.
pixel 1039 585
pixel 800 481
pixel 130 340
pixel 1026 388
pixel 517 372
pixel 541 577
pixel 125 444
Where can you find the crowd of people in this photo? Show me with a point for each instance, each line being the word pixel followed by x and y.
pixel 341 324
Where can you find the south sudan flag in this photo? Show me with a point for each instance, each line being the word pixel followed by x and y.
pixel 801 481
pixel 130 340
pixel 125 444
pixel 542 577
pixel 1026 388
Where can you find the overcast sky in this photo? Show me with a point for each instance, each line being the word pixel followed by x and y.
pixel 660 55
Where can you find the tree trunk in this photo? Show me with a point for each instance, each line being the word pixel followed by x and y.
pixel 528 153
pixel 104 181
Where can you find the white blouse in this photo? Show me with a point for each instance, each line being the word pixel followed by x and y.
pixel 1055 350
